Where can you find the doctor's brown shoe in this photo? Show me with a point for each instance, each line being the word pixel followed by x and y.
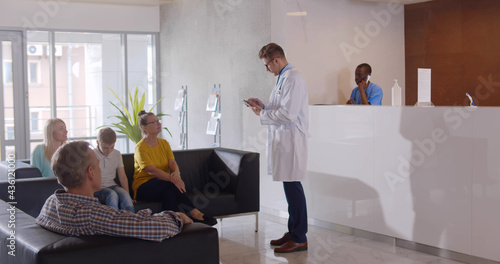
pixel 291 246
pixel 281 241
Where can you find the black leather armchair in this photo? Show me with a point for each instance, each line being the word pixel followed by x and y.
pixel 221 182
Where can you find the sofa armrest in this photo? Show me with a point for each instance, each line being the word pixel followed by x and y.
pixel 28 237
pixel 27 161
pixel 21 169
pixel 241 168
pixel 30 194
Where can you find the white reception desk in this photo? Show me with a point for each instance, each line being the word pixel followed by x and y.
pixel 427 175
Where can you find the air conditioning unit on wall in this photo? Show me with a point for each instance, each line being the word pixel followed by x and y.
pixel 35 50
pixel 58 49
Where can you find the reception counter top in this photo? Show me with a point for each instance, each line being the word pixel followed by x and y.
pixel 427 175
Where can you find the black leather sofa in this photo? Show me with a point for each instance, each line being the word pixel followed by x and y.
pixel 221 182
pixel 22 241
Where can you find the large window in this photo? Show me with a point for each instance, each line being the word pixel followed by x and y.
pixel 140 65
pixel 76 85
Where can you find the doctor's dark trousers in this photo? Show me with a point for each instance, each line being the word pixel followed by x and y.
pixel 297 221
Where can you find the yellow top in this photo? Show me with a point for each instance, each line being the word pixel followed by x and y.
pixel 144 156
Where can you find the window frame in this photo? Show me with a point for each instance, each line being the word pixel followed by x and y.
pixel 124 73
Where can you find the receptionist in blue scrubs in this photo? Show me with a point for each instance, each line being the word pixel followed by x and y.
pixel 366 93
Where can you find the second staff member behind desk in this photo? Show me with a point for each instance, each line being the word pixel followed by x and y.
pixel 366 92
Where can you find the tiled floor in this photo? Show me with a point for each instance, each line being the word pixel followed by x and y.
pixel 239 244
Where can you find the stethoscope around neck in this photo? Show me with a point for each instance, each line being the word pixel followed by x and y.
pixel 278 92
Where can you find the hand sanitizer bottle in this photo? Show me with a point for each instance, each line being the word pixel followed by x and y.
pixel 396 94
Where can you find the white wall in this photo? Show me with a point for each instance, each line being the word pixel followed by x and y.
pixel 213 42
pixel 334 37
pixel 63 14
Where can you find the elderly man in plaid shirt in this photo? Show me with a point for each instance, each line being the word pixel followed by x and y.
pixel 75 211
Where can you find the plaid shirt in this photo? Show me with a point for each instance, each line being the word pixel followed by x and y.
pixel 78 215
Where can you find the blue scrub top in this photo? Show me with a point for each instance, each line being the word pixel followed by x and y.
pixel 374 95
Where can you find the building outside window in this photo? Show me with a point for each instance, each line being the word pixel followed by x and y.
pixel 34 72
pixel 7 72
pixel 87 66
pixel 34 122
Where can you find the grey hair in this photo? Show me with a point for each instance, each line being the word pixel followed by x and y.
pixel 70 163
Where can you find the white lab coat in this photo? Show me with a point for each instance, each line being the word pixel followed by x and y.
pixel 287 117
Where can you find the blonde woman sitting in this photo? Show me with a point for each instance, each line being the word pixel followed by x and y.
pixel 55 135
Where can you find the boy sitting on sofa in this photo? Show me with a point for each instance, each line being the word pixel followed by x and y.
pixel 75 211
pixel 111 163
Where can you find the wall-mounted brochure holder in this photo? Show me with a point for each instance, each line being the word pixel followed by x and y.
pixel 181 106
pixel 212 102
pixel 214 124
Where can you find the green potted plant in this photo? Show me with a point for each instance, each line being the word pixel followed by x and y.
pixel 129 120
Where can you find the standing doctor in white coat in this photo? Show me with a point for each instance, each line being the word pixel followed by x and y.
pixel 287 118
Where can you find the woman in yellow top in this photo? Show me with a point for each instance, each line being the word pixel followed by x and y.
pixel 156 174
